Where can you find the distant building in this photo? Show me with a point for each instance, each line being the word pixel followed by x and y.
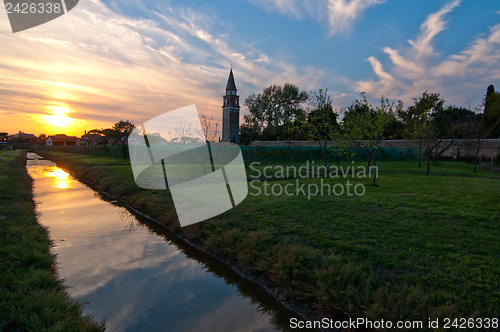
pixel 61 139
pixel 231 112
pixel 91 139
pixel 22 138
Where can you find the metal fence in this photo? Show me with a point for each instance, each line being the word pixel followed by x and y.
pixel 115 151
pixel 310 153
pixel 283 154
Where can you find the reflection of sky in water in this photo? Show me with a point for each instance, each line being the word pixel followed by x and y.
pixel 60 179
pixel 130 276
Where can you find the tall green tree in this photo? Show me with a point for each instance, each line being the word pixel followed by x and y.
pixel 447 125
pixel 490 97
pixel 492 112
pixel 485 124
pixel 366 125
pixel 322 124
pixel 417 120
pixel 276 104
pixel 435 127
pixel 123 128
pixel 477 129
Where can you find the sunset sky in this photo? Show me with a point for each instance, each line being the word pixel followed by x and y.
pixel 110 60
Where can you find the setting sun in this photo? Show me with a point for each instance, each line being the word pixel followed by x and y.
pixel 59 117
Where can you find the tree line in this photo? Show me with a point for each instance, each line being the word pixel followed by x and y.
pixel 119 132
pixel 286 113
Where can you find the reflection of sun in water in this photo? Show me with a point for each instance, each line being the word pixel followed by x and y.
pixel 60 177
pixel 59 117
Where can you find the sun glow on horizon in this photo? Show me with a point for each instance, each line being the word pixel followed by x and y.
pixel 59 117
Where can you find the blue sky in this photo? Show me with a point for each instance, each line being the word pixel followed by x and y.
pixel 110 60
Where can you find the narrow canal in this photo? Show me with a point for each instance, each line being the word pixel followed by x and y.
pixel 134 274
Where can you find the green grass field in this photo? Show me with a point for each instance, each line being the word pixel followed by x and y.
pixel 412 247
pixel 32 298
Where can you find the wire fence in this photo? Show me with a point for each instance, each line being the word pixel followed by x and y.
pixel 115 151
pixel 283 154
pixel 310 153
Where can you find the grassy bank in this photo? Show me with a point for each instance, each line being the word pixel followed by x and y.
pixel 32 298
pixel 412 247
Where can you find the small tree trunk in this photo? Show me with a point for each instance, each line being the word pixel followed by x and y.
pixel 419 156
pixel 374 166
pixel 428 165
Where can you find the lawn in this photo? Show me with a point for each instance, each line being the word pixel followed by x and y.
pixel 32 298
pixel 411 247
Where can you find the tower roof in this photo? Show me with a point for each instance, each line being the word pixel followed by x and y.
pixel 230 81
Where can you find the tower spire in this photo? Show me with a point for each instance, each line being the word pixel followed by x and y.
pixel 230 82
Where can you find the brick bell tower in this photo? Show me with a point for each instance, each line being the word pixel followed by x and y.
pixel 231 112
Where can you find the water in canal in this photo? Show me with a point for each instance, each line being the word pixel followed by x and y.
pixel 136 276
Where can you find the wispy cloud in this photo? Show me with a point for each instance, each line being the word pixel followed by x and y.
pixel 433 25
pixel 293 8
pixel 338 15
pixel 420 67
pixel 342 14
pixel 103 66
